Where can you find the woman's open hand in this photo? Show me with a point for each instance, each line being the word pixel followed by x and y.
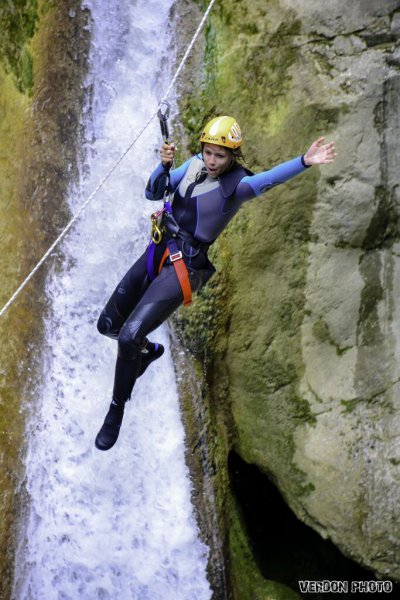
pixel 320 153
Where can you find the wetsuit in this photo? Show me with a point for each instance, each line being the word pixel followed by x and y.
pixel 202 207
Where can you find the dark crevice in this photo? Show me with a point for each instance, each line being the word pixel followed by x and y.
pixel 378 38
pixel 285 549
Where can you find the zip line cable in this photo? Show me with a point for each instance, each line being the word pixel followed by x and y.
pixel 113 168
pixel 72 221
pixel 189 49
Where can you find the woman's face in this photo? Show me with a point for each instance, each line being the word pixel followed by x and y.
pixel 217 159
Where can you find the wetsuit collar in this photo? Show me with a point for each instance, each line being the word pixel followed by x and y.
pixel 230 179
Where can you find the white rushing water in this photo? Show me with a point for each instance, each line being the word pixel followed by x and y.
pixel 118 524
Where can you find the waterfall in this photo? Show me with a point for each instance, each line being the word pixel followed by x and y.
pixel 117 524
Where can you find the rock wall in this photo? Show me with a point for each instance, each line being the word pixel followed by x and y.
pixel 299 329
pixel 43 52
pixel 350 329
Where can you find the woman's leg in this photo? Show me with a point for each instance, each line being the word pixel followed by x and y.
pixel 120 305
pixel 124 298
pixel 161 298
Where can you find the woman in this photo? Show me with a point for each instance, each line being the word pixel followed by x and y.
pixel 208 190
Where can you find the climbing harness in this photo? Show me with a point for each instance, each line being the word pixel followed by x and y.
pixel 158 232
pixel 175 256
pixel 113 168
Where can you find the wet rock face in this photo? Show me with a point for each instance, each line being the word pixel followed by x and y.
pixel 304 359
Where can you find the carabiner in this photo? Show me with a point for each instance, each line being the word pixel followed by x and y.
pixel 156 231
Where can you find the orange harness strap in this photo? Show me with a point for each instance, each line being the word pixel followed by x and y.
pixel 180 270
pixel 164 258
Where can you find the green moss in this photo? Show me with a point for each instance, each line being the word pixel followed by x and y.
pixel 322 333
pixel 13 107
pixel 302 412
pixel 18 21
pixel 199 326
pixel 26 76
pixel 350 405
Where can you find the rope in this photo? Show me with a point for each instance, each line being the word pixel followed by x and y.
pixel 189 49
pixel 111 171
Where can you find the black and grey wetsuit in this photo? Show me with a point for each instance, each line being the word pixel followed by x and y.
pixel 202 207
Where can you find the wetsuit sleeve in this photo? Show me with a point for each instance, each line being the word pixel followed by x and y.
pixel 254 185
pixel 157 184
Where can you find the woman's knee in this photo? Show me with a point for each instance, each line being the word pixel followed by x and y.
pixel 130 340
pixel 105 326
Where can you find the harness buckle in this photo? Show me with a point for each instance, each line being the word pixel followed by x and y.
pixel 176 256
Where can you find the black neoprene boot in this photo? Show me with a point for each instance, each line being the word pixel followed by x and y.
pixel 126 372
pixel 150 353
pixel 109 431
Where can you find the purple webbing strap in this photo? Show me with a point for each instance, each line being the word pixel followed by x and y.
pixel 150 261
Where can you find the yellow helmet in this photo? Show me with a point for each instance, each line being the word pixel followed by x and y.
pixel 223 131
